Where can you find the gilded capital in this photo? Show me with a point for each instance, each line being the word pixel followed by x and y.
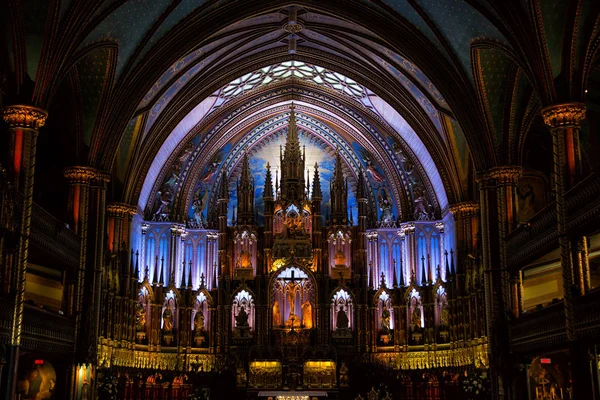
pixel 103 176
pixel 506 174
pixel 120 210
pixel 21 116
pixel 564 115
pixel 79 174
pixel 465 208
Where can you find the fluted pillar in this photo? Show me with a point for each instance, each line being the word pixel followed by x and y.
pixel 96 259
pixel 564 121
pixel 79 178
pixel 497 189
pixel 24 123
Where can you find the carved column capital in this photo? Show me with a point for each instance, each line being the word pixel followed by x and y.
pixel 505 174
pixel 465 208
pixel 102 176
pixel 80 174
pixel 564 115
pixel 120 210
pixel 22 116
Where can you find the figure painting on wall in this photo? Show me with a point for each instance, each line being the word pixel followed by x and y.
pixel 37 383
pixel 532 196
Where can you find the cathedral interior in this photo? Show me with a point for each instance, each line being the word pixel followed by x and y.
pixel 343 199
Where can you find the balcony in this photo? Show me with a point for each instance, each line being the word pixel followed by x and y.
pixel 540 236
pixel 546 327
pixel 52 238
pixel 42 330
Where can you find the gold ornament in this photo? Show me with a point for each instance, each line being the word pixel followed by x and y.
pixel 564 115
pixel 21 116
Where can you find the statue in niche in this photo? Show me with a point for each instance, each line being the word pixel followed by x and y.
pixel 342 319
pixel 140 317
pixel 185 154
pixel 385 320
pixel 293 319
pixel 276 314
pixel 343 374
pixel 164 197
pixel 241 320
pixel 385 205
pixel 174 178
pixel 445 316
pixel 420 204
pixel 415 318
pixel 198 207
pixel 199 321
pixel 307 315
pixel 167 320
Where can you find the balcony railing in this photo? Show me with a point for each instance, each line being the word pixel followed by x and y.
pixel 540 235
pixel 42 330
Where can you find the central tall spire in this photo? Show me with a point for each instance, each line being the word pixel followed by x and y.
pixel 292 165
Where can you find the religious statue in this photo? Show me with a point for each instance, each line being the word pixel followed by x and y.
pixel 445 316
pixel 420 204
pixel 385 320
pixel 276 314
pixel 140 317
pixel 241 320
pixel 199 321
pixel 385 206
pixel 198 207
pixel 342 319
pixel 167 320
pixel 343 374
pixel 307 315
pixel 415 319
pixel 293 319
pixel 164 196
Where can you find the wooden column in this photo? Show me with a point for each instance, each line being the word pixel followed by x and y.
pixel 564 121
pixel 497 189
pixel 24 123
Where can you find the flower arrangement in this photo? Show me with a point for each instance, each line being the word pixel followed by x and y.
pixel 108 387
pixel 477 385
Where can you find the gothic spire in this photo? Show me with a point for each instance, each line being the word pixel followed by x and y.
pixel 360 185
pixel 292 165
pixel 245 193
pixel 268 190
pixel 223 189
pixel 339 192
pixel 317 194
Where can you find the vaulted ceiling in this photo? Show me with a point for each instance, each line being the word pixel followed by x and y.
pixel 448 86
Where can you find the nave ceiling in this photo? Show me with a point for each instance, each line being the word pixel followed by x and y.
pixel 466 78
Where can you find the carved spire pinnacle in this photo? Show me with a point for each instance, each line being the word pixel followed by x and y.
pixel 339 193
pixel 182 284
pixel 292 165
pixel 268 190
pixel 423 272
pixel 223 189
pixel 245 193
pixel 189 279
pixel 317 194
pixel 401 274
pixel 360 185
